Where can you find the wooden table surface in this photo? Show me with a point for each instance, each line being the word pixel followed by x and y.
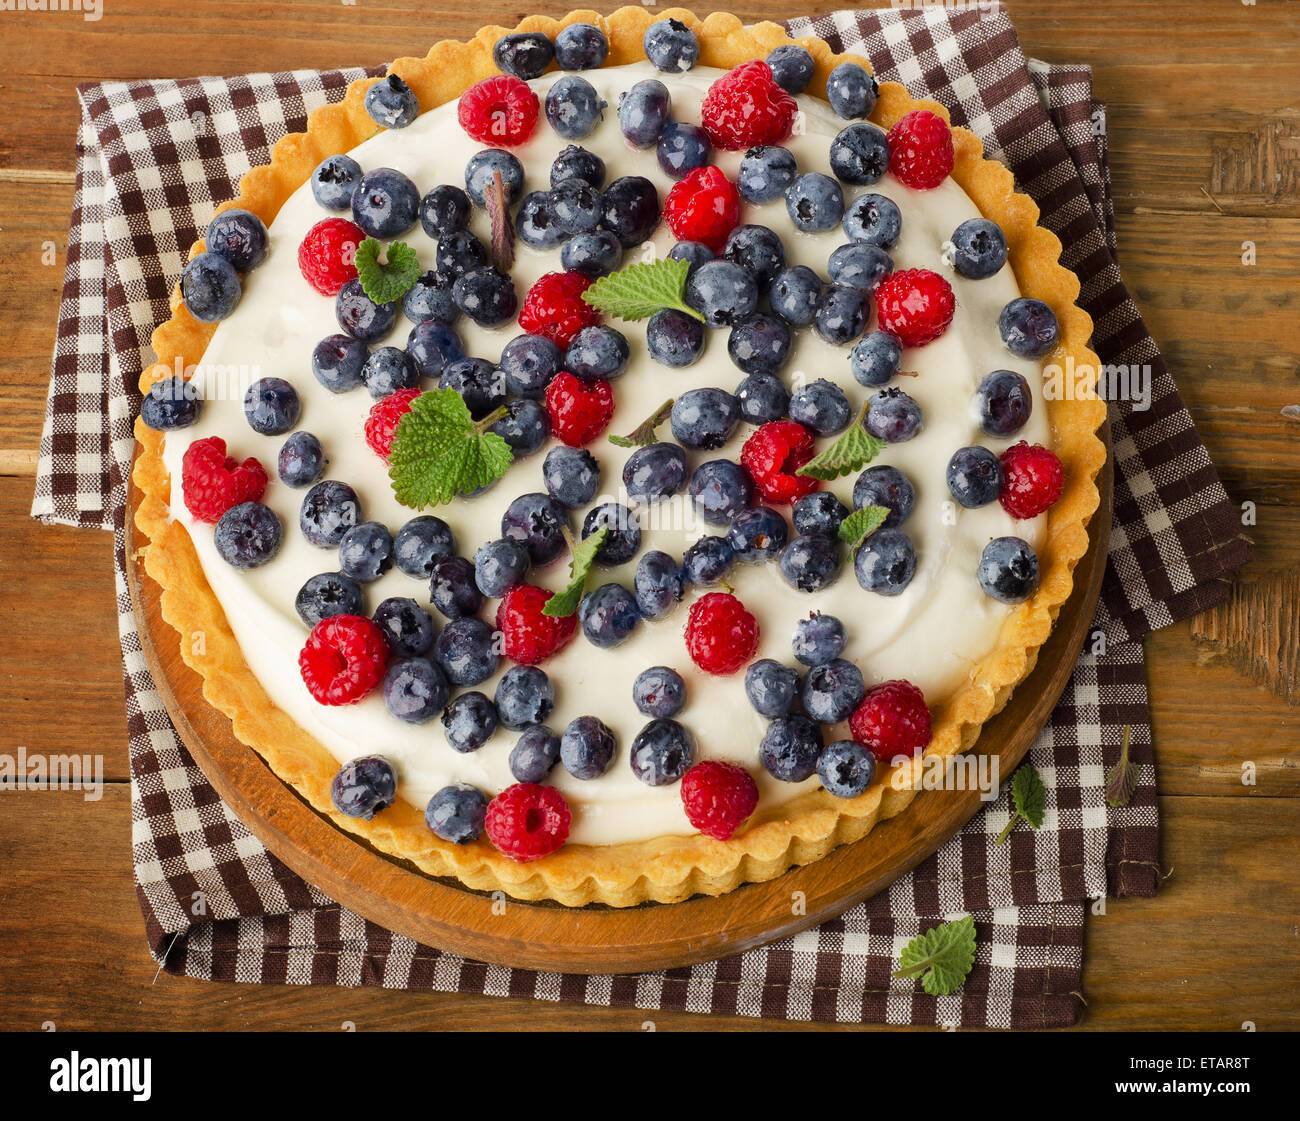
pixel 1205 158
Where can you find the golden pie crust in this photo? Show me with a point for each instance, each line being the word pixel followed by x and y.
pixel 664 869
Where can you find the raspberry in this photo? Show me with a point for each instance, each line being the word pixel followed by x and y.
pixel 746 107
pixel 705 206
pixel 718 797
pixel 343 658
pixel 721 636
pixel 327 255
pixel 212 482
pixel 527 821
pixel 892 721
pixel 580 410
pixel 555 309
pixel 920 150
pixel 381 424
pixel 772 455
pixel 916 305
pixel 527 636
pixel 500 110
pixel 1032 479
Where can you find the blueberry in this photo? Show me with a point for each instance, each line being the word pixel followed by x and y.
pixel 821 406
pixel 366 551
pixel 859 265
pixel 469 721
pixel 771 687
pixel 643 112
pixel 415 690
pixel 659 691
pixel 328 511
pixel 974 477
pixel 524 696
pixel 457 813
pixel 654 472
pixel 758 251
pixel 893 416
pixel 536 521
pixel 671 46
pixel 453 590
pixel 576 207
pixel 459 252
pixel 608 615
pixel 860 154
pixel 240 237
pixel 720 489
pixel 528 363
pixel 301 461
pixel 575 162
pixel 979 248
pixel 390 103
pixel 327 595
pixel 846 768
pixel 682 148
pixel 874 219
pixel 535 222
pixel 210 287
pixel 432 344
pixel 852 90
pixel 694 252
pixel 723 292
pixel 832 691
pixel 1028 327
pixel 1008 570
pixel 818 639
pixel 757 534
pixel 794 295
pixel 587 748
pixel 875 358
pixel 597 354
pixel 466 650
pixel 385 203
pixel 487 296
pixel 595 254
pixel 337 362
pixel 498 566
pixel 883 485
pixel 624 537
pixel 810 562
pixel 819 512
pixel 659 584
pixel 444 209
pixel 363 787
pixel 420 542
pixel 480 384
pixel 481 169
pixel 674 339
pixel 389 369
pixel 766 172
pixel 792 67
pixel 171 403
pixel 814 202
pixel 248 535
pixel 580 46
pixel 535 754
pixel 525 54
pixel 886 562
pixel 571 476
pixel 704 418
pixel 525 427
pixel 707 561
pixel 1004 402
pixel 430 297
pixel 360 316
pixel 407 627
pixel 334 180
pixel 661 752
pixel 759 344
pixel 573 107
pixel 790 748
pixel 631 209
pixel 841 314
pixel 762 397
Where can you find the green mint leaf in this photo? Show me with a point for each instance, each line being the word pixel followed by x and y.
pixel 503 230
pixel 644 433
pixel 861 524
pixel 582 557
pixel 1122 781
pixel 640 290
pixel 386 281
pixel 1028 799
pixel 941 957
pixel 439 451
pixel 852 451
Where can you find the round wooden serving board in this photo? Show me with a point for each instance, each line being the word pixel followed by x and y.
pixel 599 939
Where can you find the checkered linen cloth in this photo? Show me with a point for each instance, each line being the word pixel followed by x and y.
pixel 155 157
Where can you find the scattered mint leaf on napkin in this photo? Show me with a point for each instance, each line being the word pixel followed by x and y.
pixel 861 524
pixel 440 451
pixel 851 451
pixel 388 280
pixel 640 290
pixel 941 957
pixel 1029 798
pixel 1122 781
pixel 582 555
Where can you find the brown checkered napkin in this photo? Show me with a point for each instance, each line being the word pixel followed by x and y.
pixel 154 158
